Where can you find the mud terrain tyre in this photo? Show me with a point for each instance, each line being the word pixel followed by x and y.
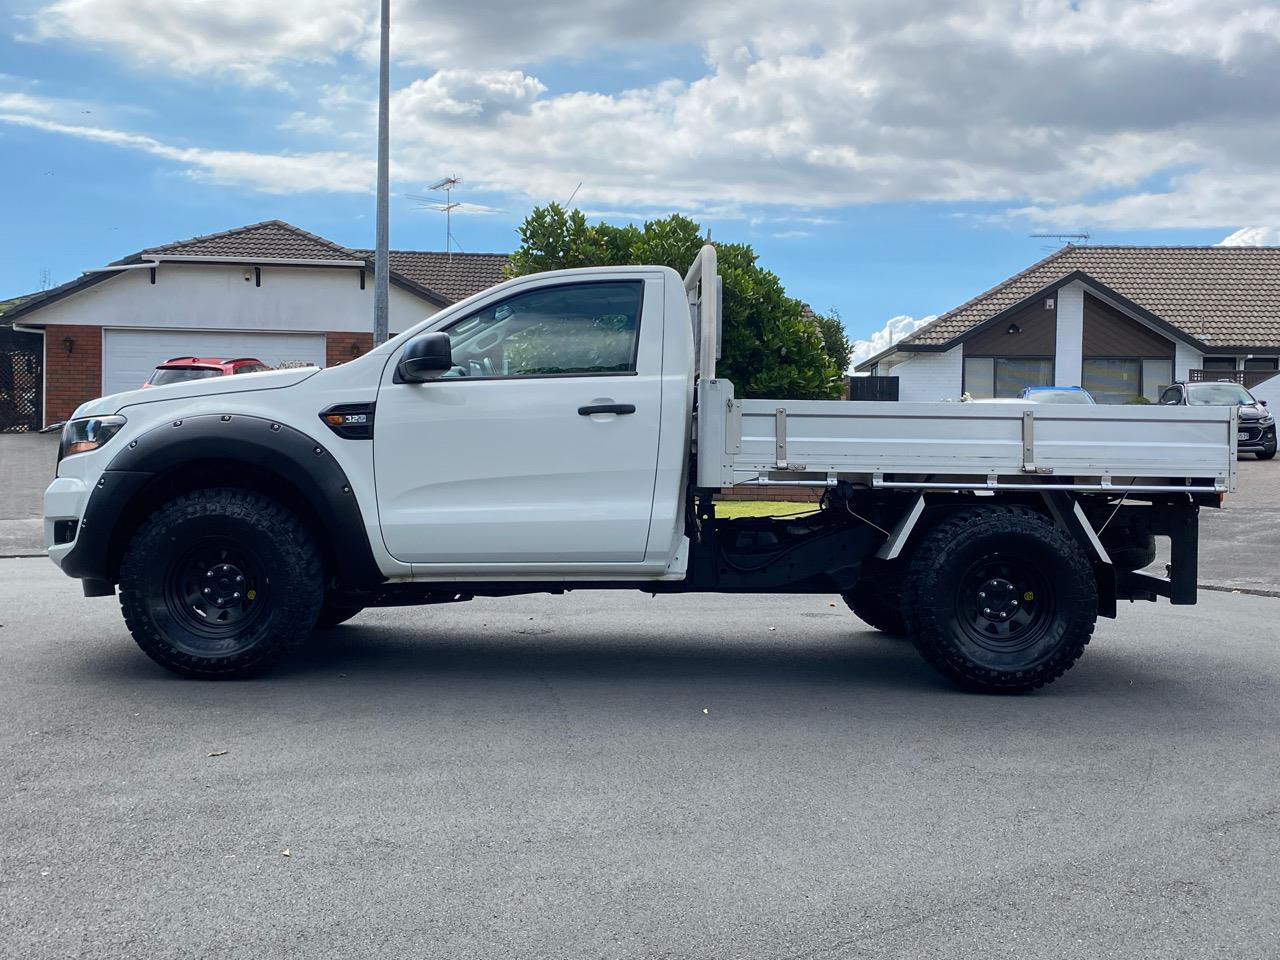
pixel 999 600
pixel 221 583
pixel 878 603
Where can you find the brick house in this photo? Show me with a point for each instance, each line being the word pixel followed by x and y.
pixel 1123 322
pixel 268 290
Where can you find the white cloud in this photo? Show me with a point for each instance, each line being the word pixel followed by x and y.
pixel 1253 237
pixel 468 95
pixel 270 173
pixel 1040 105
pixel 893 331
pixel 244 39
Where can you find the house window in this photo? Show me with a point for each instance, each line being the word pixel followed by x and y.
pixel 1156 375
pixel 979 377
pixel 1218 364
pixel 1112 379
pixel 1262 363
pixel 986 377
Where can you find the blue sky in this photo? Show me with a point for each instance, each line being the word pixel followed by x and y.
pixel 886 158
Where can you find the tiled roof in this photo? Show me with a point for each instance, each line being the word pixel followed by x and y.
pixel 453 277
pixel 1220 296
pixel 273 239
pixel 436 276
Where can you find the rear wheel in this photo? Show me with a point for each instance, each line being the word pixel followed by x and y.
pixel 878 603
pixel 999 599
pixel 220 583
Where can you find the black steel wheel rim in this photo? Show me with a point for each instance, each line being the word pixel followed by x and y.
pixel 1004 604
pixel 216 590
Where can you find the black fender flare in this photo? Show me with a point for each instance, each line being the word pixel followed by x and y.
pixel 297 462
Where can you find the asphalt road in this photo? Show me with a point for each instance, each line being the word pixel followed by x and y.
pixel 610 775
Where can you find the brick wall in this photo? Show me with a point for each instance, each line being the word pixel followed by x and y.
pixel 71 378
pixel 786 494
pixel 337 347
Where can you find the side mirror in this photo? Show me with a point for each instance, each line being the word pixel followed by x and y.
pixel 425 358
pixel 1263 402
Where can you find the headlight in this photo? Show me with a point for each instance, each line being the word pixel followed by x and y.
pixel 1266 421
pixel 87 433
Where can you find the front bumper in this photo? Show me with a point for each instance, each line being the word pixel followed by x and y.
pixel 96 511
pixel 1255 439
pixel 64 502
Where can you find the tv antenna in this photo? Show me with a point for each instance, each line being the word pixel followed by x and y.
pixel 445 206
pixel 1063 237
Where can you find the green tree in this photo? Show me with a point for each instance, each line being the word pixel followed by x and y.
pixel 770 348
pixel 834 339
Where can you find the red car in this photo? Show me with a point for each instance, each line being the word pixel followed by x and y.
pixel 181 369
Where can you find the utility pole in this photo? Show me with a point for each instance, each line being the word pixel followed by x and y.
pixel 381 264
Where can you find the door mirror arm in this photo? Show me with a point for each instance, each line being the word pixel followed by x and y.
pixel 426 357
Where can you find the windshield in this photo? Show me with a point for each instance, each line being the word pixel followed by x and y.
pixel 182 374
pixel 1217 395
pixel 1060 396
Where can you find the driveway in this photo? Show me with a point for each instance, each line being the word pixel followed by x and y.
pixel 27 463
pixel 607 775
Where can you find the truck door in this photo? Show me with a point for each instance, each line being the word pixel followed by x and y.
pixel 540 445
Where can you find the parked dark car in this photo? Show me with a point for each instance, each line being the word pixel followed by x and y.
pixel 1257 423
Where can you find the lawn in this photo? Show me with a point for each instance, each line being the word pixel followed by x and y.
pixel 729 509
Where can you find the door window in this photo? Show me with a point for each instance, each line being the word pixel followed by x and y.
pixel 581 329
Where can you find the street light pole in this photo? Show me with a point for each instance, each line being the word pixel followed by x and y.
pixel 381 265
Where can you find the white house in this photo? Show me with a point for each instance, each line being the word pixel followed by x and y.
pixel 268 290
pixel 1123 322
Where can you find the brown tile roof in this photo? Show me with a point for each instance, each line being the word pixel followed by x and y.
pixel 272 239
pixel 434 276
pixel 1220 296
pixel 453 277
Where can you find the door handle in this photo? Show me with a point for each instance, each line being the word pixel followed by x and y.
pixel 606 408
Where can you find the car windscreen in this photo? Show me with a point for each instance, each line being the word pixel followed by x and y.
pixel 1217 394
pixel 182 374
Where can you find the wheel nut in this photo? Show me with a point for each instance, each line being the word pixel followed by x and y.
pixel 239 579
pixel 982 595
pixel 235 596
pixel 207 591
pixel 986 610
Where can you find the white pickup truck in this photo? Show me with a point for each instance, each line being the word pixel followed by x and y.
pixel 568 431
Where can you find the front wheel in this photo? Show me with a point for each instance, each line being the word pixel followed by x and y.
pixel 220 583
pixel 1000 600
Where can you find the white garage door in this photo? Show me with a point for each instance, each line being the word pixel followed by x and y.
pixel 129 356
